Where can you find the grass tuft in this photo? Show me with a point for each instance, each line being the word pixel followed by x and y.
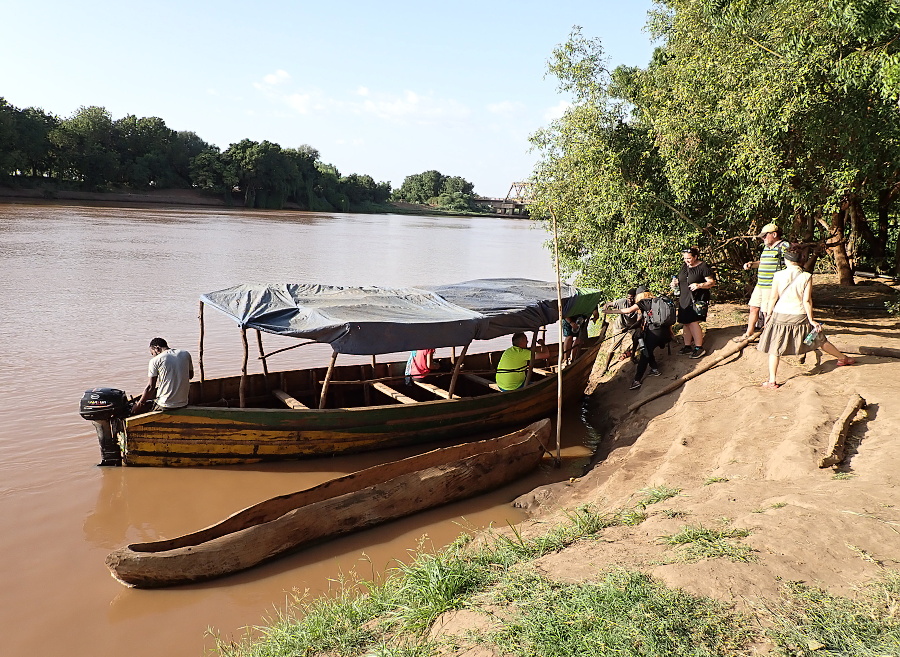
pixel 627 614
pixel 658 494
pixel 808 621
pixel 703 543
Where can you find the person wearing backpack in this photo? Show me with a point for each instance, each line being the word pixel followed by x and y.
pixel 657 317
pixel 694 280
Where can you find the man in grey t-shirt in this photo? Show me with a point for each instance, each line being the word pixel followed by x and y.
pixel 625 326
pixel 169 378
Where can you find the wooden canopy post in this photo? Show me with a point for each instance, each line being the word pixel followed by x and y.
pixel 262 357
pixel 200 355
pixel 327 379
pixel 534 339
pixel 456 368
pixel 242 390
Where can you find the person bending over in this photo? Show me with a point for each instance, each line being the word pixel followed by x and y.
pixel 170 372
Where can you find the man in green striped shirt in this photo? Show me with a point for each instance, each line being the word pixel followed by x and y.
pixel 770 260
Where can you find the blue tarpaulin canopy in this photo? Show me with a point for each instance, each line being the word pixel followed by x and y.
pixel 381 320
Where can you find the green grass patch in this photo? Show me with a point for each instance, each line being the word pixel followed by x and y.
pixel 657 494
pixel 807 621
pixel 715 480
pixel 843 475
pixel 626 614
pixel 699 542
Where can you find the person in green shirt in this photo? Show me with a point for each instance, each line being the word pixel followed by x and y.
pixel 513 363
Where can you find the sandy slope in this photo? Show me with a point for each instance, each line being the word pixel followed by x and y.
pixel 832 532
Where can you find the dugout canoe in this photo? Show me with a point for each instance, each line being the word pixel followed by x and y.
pixel 338 409
pixel 284 524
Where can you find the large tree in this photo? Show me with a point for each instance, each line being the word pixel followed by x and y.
pixel 747 112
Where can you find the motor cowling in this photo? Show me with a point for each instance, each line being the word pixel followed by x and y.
pixel 107 408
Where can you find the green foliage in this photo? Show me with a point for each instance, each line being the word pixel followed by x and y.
pixel 627 614
pixel 450 193
pixel 747 112
pixel 655 494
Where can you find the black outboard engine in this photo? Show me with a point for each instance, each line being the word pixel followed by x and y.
pixel 107 408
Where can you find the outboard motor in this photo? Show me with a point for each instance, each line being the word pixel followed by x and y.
pixel 107 408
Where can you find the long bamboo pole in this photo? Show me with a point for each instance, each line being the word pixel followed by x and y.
pixel 322 397
pixel 559 355
pixel 242 390
pixel 200 355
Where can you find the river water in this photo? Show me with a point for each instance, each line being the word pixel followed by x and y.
pixel 84 290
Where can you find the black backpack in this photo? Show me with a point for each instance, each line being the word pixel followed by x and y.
pixel 661 313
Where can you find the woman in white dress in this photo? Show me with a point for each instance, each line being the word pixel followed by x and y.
pixel 791 311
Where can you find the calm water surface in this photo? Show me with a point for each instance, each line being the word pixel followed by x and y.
pixel 84 291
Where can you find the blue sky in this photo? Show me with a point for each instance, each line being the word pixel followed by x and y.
pixel 387 89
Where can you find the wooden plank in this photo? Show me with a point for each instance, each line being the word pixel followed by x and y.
pixel 289 401
pixel 393 394
pixel 433 389
pixel 544 372
pixel 481 381
pixel 880 351
pixel 839 431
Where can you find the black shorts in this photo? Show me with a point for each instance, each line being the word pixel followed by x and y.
pixel 689 315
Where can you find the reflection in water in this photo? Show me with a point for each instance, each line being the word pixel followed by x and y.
pixel 85 290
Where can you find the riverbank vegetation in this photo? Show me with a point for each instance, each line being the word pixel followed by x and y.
pixel 748 113
pixel 521 611
pixel 90 151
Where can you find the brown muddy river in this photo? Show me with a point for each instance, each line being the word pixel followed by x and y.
pixel 84 290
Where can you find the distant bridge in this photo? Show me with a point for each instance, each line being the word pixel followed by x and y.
pixel 516 202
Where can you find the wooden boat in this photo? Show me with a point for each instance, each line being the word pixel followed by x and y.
pixel 353 408
pixel 362 499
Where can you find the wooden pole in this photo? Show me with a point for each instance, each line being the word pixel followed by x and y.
pixel 531 358
pixel 456 368
pixel 730 350
pixel 200 355
pixel 322 397
pixel 885 352
pixel 559 355
pixel 262 357
pixel 242 390
pixel 838 437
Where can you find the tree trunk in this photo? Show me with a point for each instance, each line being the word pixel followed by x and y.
pixel 837 248
pixel 879 249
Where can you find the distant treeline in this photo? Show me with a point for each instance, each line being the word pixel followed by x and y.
pixel 91 151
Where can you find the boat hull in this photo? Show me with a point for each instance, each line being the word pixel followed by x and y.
pixel 362 499
pixel 204 435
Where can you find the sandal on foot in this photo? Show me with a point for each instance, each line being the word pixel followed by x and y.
pixel 846 361
pixel 770 385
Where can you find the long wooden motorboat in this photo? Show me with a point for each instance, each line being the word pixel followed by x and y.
pixel 353 408
pixel 362 499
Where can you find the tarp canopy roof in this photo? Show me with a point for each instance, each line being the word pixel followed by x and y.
pixel 381 320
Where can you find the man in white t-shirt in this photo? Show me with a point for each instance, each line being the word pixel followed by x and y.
pixel 170 372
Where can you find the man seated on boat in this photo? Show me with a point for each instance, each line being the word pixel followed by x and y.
pixel 419 364
pixel 170 372
pixel 513 365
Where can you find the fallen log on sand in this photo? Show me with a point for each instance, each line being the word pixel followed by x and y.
pixel 880 351
pixel 838 438
pixel 730 350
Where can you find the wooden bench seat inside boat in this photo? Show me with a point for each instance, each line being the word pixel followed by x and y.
pixel 474 378
pixel 393 394
pixel 289 401
pixel 440 392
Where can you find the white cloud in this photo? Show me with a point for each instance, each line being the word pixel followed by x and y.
pixel 506 108
pixel 406 107
pixel 557 110
pixel 278 77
